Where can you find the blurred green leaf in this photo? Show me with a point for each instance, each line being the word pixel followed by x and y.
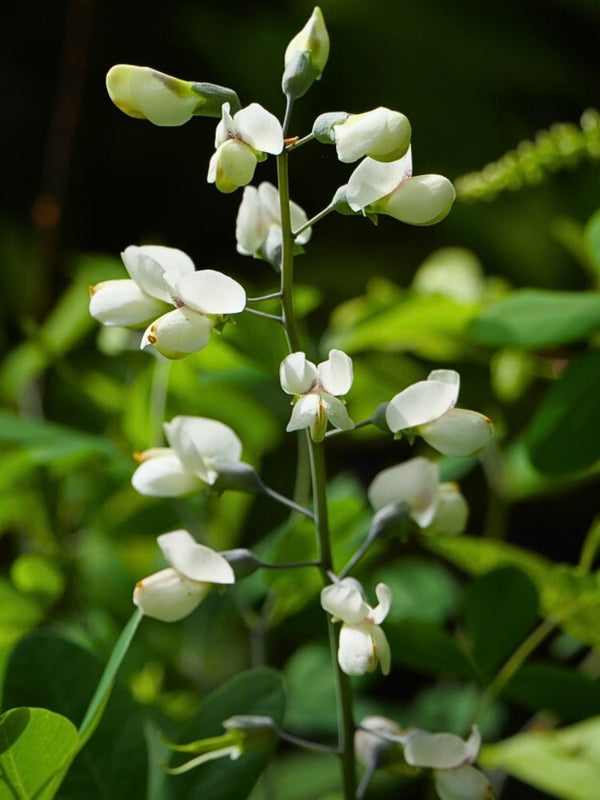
pixel 537 318
pixel 564 434
pixel 427 648
pixel 421 589
pixel 547 687
pixel 500 608
pixel 36 575
pixel 298 776
pixel 259 692
pixel 18 615
pixel 592 240
pixel 314 711
pixel 36 745
pixel 565 763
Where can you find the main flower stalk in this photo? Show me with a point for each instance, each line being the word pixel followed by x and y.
pixel 319 490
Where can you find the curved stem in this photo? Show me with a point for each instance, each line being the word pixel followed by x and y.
pixel 263 314
pixel 299 142
pixel 280 498
pixel 263 297
pixel 287 256
pixel 289 104
pixel 314 220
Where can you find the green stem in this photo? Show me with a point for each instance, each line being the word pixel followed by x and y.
pixel 590 548
pixel 264 315
pixel 299 142
pixel 285 501
pixel 327 210
pixel 158 401
pixel 319 483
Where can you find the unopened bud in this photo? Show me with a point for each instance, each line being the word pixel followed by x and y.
pixel 306 56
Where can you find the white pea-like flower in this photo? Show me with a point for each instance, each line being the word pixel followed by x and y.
pixel 435 507
pixel 241 141
pixel 199 447
pixel 450 758
pixel 163 277
pixel 317 389
pixel 362 643
pixel 426 409
pixel 382 134
pixel 173 593
pixel 390 188
pixel 258 224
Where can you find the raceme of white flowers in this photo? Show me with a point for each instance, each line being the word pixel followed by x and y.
pixel 436 507
pixel 317 389
pixel 198 448
pixel 426 409
pixel 161 277
pixel 362 643
pixel 389 188
pixel 241 141
pixel 258 223
pixel 173 593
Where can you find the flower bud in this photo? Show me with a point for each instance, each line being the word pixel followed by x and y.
pixel 145 93
pixel 422 200
pixel 306 56
pixel 381 134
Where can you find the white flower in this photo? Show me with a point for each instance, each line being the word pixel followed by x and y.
pixel 241 141
pixel 389 188
pixel 173 593
pixel 317 389
pixel 450 757
pixel 362 643
pixel 426 408
pixel 381 134
pixel 312 39
pixel 161 277
pixel 258 224
pixel 435 507
pixel 198 447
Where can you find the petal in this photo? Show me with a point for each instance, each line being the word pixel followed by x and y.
pixel 231 166
pixel 437 750
pixel 249 224
pixel 164 476
pixel 336 412
pixel 452 511
pixel 422 200
pixel 462 783
pixel 381 134
pixel 178 333
pixel 296 374
pixel 356 650
pixel 298 219
pixel 420 403
pixel 382 648
pixel 259 128
pixel 122 302
pixel 147 265
pixel 168 596
pixel 344 600
pixel 458 432
pixel 143 92
pixel 305 413
pixel 335 375
pixel 199 441
pixel 210 292
pixel 380 612
pixel 225 128
pixel 194 560
pixel 372 180
pixel 415 482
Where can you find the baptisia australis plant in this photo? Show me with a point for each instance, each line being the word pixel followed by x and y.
pixel 178 307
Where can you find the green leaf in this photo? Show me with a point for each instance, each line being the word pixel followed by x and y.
pixel 565 763
pixel 592 240
pixel 425 647
pixel 35 747
pixel 315 711
pixel 421 589
pixel 46 670
pixel 500 608
pixel 258 691
pixel 564 435
pixel 546 687
pixel 535 318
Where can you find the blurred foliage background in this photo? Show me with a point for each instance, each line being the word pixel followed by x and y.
pixel 82 181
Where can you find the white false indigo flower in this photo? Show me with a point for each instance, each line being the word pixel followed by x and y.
pixel 305 56
pixel 426 409
pixel 258 224
pixel 373 748
pixel 389 188
pixel 317 389
pixel 241 141
pixel 173 593
pixel 145 93
pixel 362 643
pixel 437 508
pixel 381 134
pixel 450 758
pixel 199 449
pixel 161 277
